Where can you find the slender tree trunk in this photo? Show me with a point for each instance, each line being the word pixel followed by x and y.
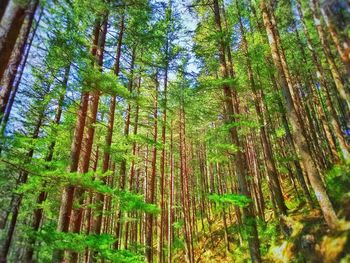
pixel 106 155
pixel 337 40
pixel 344 96
pixel 134 146
pixel 248 216
pixel 151 182
pixel 162 161
pixel 39 213
pixel 16 56
pixel 171 197
pixel 320 72
pixel 10 27
pixel 298 134
pixel 17 201
pixel 89 137
pixel 68 191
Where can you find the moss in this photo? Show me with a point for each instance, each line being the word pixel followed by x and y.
pixel 332 247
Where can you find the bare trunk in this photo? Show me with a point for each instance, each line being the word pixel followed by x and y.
pixel 106 155
pixel 298 134
pixel 9 75
pixel 38 213
pixel 67 197
pixel 10 27
pixel 337 40
pixel 151 182
pixel 17 199
pixel 333 114
pixel 344 96
pixel 162 163
pixel 171 198
pixel 240 161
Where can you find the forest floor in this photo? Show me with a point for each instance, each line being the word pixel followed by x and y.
pixel 310 240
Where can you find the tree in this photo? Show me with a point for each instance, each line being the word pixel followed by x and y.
pixel 11 23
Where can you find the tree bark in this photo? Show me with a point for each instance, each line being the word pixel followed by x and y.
pixel 10 27
pixel 321 74
pixel 162 160
pixel 67 197
pixel 344 96
pixel 171 197
pixel 298 134
pixel 90 133
pixel 16 55
pixel 106 154
pixel 269 160
pixel 240 161
pixel 151 182
pixel 337 40
pixel 17 201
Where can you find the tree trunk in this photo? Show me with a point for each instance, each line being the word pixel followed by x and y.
pixel 67 197
pixel 162 161
pixel 298 134
pixel 10 27
pixel 333 114
pixel 17 199
pixel 337 40
pixel 106 155
pixel 9 75
pixel 240 161
pixel 38 213
pixel 344 96
pixel 89 137
pixel 151 182
pixel 171 198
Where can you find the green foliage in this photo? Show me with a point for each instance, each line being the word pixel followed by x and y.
pixel 230 199
pixel 178 243
pixel 131 202
pixel 268 235
pixel 102 244
pixel 106 82
pixel 338 183
pixel 210 83
pixel 178 224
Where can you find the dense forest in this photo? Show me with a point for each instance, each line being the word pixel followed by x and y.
pixel 174 131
